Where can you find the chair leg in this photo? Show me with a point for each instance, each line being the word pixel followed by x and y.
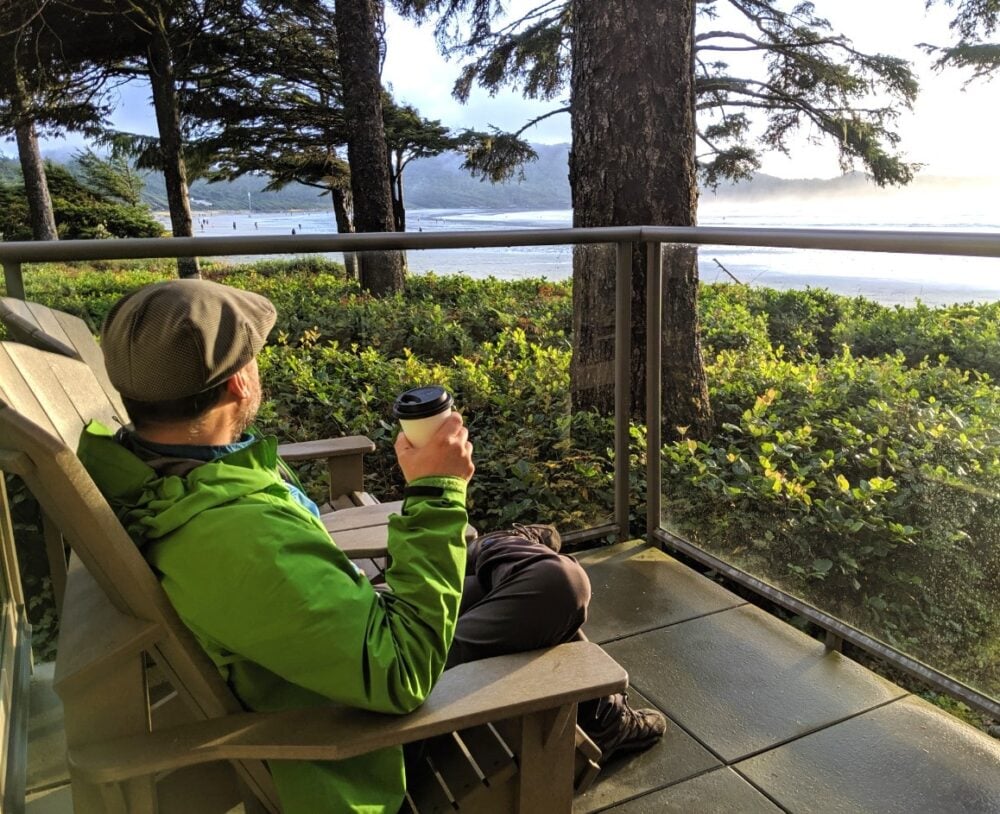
pixel 136 796
pixel 588 758
pixel 545 746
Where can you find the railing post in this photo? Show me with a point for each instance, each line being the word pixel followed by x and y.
pixel 13 279
pixel 654 382
pixel 623 376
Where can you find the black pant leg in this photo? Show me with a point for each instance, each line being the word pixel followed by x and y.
pixel 520 596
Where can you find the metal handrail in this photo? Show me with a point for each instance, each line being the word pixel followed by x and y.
pixel 970 244
pixel 12 255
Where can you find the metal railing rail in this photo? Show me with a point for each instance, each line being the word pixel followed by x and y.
pixel 969 244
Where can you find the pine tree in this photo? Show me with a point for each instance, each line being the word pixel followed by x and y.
pixel 359 24
pixel 654 106
pixel 172 44
pixel 409 136
pixel 43 89
pixel 279 112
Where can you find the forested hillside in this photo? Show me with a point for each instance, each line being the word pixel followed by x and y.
pixel 441 183
pixel 433 183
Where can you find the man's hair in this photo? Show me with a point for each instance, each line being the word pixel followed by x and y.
pixel 188 408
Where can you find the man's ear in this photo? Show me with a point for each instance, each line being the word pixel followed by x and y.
pixel 239 385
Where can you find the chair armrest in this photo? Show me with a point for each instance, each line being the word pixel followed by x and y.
pixel 360 517
pixel 467 695
pixel 344 461
pixel 326 448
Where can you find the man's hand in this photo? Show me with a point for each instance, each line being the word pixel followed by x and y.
pixel 448 453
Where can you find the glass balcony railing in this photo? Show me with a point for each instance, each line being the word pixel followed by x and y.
pixel 853 470
pixel 850 471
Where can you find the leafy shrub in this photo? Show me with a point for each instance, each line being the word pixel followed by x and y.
pixel 968 336
pixel 26 517
pixel 801 322
pixel 534 459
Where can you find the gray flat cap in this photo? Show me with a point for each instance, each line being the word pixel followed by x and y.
pixel 174 339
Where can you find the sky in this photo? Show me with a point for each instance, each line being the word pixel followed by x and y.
pixel 949 130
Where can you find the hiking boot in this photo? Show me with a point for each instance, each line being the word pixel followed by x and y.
pixel 541 533
pixel 616 728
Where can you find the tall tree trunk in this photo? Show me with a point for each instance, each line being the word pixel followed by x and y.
pixel 168 123
pixel 396 187
pixel 357 40
pixel 342 214
pixel 633 163
pixel 36 187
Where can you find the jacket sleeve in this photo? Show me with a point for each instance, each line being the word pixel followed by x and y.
pixel 261 581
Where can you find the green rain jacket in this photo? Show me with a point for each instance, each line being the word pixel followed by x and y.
pixel 284 614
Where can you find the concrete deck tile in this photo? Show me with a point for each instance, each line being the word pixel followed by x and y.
pixel 904 758
pixel 637 587
pixel 676 757
pixel 741 680
pixel 719 792
pixel 46 737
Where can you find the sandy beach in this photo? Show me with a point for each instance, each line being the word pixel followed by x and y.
pixel 886 278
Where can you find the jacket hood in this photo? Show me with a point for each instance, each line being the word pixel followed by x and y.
pixel 151 505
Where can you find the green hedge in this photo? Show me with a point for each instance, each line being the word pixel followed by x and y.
pixel 854 459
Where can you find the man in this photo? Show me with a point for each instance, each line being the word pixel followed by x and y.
pixel 241 552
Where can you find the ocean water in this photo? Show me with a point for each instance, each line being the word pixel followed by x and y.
pixel 888 278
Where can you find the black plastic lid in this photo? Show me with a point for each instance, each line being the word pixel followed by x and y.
pixel 421 402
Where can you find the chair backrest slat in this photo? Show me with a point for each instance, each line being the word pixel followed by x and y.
pixel 66 390
pixel 57 332
pixel 15 390
pixel 22 326
pixel 47 321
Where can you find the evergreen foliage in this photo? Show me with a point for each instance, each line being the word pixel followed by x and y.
pixel 42 78
pixel 975 22
pixel 80 212
pixel 112 177
pixel 800 75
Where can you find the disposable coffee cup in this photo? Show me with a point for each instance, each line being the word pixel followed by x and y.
pixel 421 411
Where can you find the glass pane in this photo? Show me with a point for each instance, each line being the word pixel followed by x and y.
pixel 852 459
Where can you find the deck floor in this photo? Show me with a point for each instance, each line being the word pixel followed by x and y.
pixel 763 718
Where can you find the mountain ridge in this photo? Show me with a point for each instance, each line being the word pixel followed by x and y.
pixel 441 183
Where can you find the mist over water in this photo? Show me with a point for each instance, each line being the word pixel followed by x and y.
pixel 887 278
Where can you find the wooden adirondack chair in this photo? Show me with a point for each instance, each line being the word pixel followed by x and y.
pixel 174 738
pixel 356 518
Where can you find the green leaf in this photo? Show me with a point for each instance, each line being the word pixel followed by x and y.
pixel 821 566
